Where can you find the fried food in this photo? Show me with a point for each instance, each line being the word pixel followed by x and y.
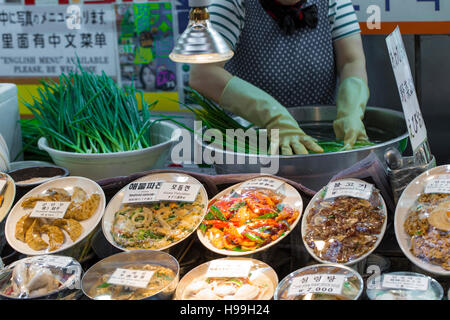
pixel 55 236
pixel 83 210
pixel 22 226
pixel 71 226
pixel 54 194
pixel 428 226
pixel 33 237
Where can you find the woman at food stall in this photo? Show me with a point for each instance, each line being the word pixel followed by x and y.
pixel 289 53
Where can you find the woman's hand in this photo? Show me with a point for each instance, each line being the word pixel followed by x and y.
pixel 353 92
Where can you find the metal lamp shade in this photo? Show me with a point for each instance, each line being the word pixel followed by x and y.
pixel 200 43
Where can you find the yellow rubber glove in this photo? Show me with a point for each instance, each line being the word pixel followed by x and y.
pixel 260 108
pixel 351 102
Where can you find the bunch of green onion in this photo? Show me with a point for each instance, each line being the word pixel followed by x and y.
pixel 214 117
pixel 89 113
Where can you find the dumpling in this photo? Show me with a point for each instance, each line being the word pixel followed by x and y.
pixel 22 226
pixel 71 226
pixel 55 236
pixel 33 237
pixel 78 195
pixel 83 210
pixel 55 194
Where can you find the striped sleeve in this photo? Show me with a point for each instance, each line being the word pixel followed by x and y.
pixel 227 17
pixel 343 19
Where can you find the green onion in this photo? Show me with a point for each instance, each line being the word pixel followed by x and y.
pixel 217 213
pixel 268 215
pixel 103 285
pixel 253 237
pixel 89 113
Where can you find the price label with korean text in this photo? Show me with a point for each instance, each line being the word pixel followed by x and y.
pixel 229 269
pixel 406 88
pixel 440 184
pixel 174 191
pixel 144 191
pixel 263 182
pixel 131 278
pixel 317 283
pixel 392 281
pixel 349 188
pixel 52 261
pixel 50 209
pixel 2 185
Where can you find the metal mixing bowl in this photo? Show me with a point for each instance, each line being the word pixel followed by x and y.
pixel 384 126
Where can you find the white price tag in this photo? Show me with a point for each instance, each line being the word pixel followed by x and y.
pixel 131 278
pixel 317 283
pixel 406 88
pixel 391 281
pixel 174 191
pixel 229 269
pixel 50 209
pixel 145 191
pixel 2 185
pixel 440 184
pixel 349 188
pixel 52 261
pixel 263 182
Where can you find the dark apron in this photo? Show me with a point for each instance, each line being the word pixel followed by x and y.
pixel 296 70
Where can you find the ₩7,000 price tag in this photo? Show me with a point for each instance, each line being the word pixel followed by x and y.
pixel 229 269
pixel 50 209
pixel 317 283
pixel 440 184
pixel 144 191
pixel 406 89
pixel 391 281
pixel 175 191
pixel 131 278
pixel 349 188
pixel 263 182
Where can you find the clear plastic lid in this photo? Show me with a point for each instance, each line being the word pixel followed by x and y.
pixel 228 279
pixel 40 277
pixel 133 275
pixel 250 216
pixel 344 222
pixel 404 286
pixel 138 218
pixel 321 282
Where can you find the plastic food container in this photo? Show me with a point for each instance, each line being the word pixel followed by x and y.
pixel 105 165
pixel 420 238
pixel 157 274
pixel 321 282
pixel 155 225
pixel 258 284
pixel 70 233
pixel 325 213
pixel 255 214
pixel 427 289
pixel 42 277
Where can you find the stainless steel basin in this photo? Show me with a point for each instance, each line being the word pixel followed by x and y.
pixel 384 126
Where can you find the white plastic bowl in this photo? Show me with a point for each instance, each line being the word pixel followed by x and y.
pixel 97 166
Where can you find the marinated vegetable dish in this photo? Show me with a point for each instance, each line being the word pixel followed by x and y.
pixel 247 220
pixel 31 230
pixel 161 278
pixel 428 225
pixel 258 287
pixel 156 225
pixel 343 229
